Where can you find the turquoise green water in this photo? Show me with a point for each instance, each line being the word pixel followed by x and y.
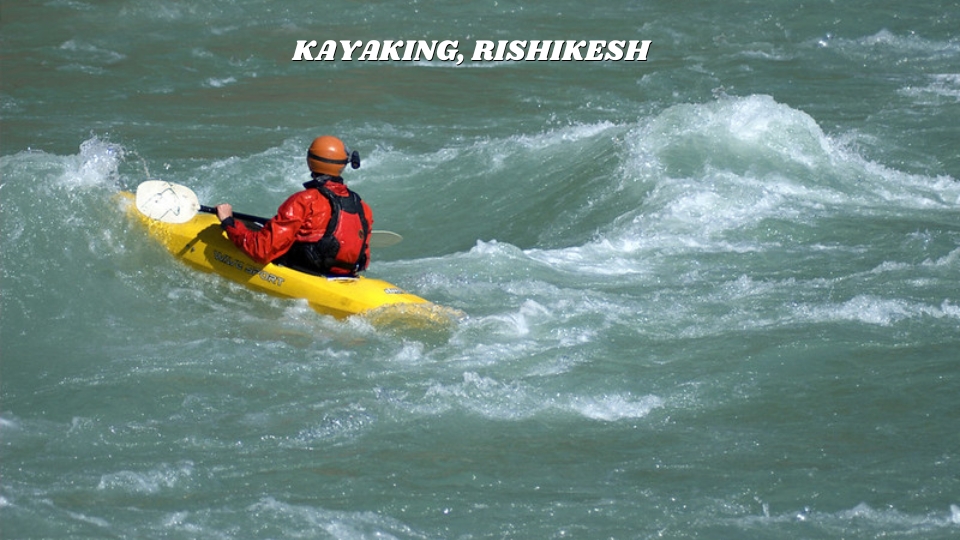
pixel 709 295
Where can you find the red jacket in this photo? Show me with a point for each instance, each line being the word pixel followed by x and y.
pixel 303 217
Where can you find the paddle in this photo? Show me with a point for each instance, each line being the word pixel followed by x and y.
pixel 174 203
pixel 246 217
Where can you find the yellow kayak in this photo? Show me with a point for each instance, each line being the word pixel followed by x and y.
pixel 201 243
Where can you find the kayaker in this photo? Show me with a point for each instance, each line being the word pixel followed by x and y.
pixel 324 229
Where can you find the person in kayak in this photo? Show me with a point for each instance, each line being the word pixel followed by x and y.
pixel 324 229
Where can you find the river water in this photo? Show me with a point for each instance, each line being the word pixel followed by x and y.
pixel 712 294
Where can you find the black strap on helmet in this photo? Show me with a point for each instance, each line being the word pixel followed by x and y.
pixel 311 155
pixel 353 158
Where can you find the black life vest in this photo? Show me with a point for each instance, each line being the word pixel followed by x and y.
pixel 342 250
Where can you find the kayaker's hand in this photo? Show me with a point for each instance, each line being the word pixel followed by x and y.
pixel 224 211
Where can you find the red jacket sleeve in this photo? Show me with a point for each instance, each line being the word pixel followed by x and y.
pixel 276 236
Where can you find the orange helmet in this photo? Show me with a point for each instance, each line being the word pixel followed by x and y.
pixel 328 155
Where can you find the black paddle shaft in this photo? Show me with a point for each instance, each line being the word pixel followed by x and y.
pixel 238 215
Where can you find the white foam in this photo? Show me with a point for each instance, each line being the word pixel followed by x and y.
pixel 942 85
pixel 148 482
pixel 874 310
pixel 912 43
pixel 6 423
pixel 89 52
pixel 96 165
pixel 215 82
pixel 610 408
pixel 293 519
pixel 515 400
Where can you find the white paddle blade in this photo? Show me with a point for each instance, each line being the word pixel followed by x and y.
pixel 380 239
pixel 167 202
